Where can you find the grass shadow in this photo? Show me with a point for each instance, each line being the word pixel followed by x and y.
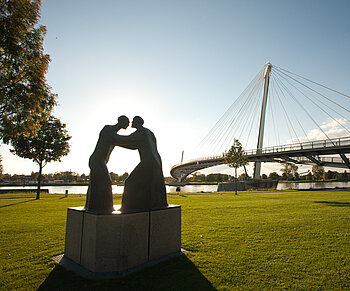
pixel 334 203
pixel 175 274
pixel 18 202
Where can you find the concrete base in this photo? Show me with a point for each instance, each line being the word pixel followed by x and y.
pixel 81 271
pixel 119 242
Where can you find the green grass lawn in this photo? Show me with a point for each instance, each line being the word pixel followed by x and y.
pixel 253 241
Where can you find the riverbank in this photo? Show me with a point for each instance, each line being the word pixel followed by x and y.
pixel 87 184
pixel 47 184
pixel 313 185
pixel 117 189
pixel 194 188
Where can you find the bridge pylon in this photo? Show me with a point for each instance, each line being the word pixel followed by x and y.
pixel 267 74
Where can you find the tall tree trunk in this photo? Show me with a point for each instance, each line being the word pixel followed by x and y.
pixel 236 181
pixel 246 173
pixel 39 180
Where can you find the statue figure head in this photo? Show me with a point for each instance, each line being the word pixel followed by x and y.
pixel 137 122
pixel 123 121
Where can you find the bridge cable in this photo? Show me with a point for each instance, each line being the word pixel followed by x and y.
pixel 340 93
pixel 222 123
pixel 273 104
pixel 319 93
pixel 288 122
pixel 228 121
pixel 247 116
pixel 296 118
pixel 254 120
pixel 244 121
pixel 272 132
pixel 328 107
pixel 334 119
pixel 302 107
pixel 273 109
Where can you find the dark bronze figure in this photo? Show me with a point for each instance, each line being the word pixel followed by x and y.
pixel 144 189
pixel 99 197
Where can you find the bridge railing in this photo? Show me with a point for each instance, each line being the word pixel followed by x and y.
pixel 344 141
pixel 208 158
pixel 322 159
pixel 317 144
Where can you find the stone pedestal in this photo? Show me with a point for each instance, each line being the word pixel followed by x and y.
pixel 119 242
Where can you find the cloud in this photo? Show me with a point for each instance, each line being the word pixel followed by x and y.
pixel 334 123
pixel 332 128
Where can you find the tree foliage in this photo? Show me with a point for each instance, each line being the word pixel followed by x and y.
pixel 49 144
pixel 274 176
pixel 290 171
pixel 1 168
pixel 235 157
pixel 318 172
pixel 243 177
pixel 25 97
pixel 331 175
pixel 118 178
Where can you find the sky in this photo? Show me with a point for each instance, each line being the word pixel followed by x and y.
pixel 178 64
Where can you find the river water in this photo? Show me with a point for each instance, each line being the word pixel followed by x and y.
pixel 312 185
pixel 116 189
pixel 188 188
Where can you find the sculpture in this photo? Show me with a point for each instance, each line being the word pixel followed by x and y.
pixel 99 197
pixel 144 189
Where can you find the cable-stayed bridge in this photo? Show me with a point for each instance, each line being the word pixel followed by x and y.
pixel 280 105
pixel 308 153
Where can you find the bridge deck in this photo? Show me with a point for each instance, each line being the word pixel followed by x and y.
pixel 303 153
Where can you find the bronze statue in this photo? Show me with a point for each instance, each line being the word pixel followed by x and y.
pixel 144 189
pixel 99 197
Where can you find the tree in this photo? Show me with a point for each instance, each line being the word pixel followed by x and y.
pixel 197 177
pixel 331 175
pixel 309 176
pixel 84 177
pixel 235 157
pixel 49 144
pixel 217 177
pixel 286 171
pixel 25 97
pixel 317 171
pixel 243 177
pixel 1 168
pixel 274 176
pixel 124 176
pixel 290 171
pixel 114 177
pixel 67 176
pixel 344 176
